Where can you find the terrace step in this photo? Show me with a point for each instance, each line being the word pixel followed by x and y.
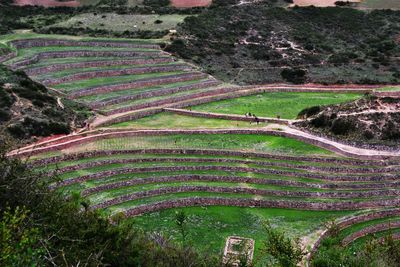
pixel 113 73
pixel 96 63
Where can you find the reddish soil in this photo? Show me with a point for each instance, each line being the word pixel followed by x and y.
pixel 190 3
pixel 46 3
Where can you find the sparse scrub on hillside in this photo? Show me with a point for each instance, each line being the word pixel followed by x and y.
pixel 253 43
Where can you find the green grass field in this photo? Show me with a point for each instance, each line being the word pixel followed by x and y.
pixel 159 121
pixel 285 105
pixel 262 143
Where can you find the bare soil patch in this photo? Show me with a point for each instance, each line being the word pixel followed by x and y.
pixel 46 3
pixel 190 3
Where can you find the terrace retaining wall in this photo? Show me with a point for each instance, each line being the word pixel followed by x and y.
pixel 115 72
pixel 236 179
pixel 324 169
pixel 81 53
pixel 8 56
pixel 161 92
pixel 232 190
pixel 97 63
pixel 138 84
pixel 128 170
pixel 351 221
pixel 284 204
pixel 121 134
pixel 42 42
pixel 232 153
pixel 370 230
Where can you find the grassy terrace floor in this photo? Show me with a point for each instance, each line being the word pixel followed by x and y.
pixel 286 105
pixel 106 96
pixel 245 142
pixel 210 226
pixel 82 84
pixel 159 121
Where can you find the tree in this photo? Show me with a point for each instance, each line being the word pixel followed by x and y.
pixel 181 222
pixel 19 242
pixel 284 251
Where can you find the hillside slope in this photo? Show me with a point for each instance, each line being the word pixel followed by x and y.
pixel 372 120
pixel 255 43
pixel 28 110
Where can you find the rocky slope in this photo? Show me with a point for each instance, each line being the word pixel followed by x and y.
pixel 28 110
pixel 370 120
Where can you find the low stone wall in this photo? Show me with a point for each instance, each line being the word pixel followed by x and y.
pixel 370 230
pixel 115 72
pixel 344 223
pixel 284 204
pixel 42 42
pixel 313 169
pixel 243 179
pixel 208 152
pixel 82 53
pixel 97 63
pixel 232 190
pixel 163 91
pixel 394 94
pixel 113 172
pixel 8 56
pixel 138 84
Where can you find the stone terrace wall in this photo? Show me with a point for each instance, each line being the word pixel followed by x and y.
pixel 324 169
pixel 370 230
pixel 82 53
pixel 237 179
pixel 161 92
pixel 7 56
pixel 99 153
pixel 115 72
pixel 131 133
pixel 97 63
pixel 128 170
pixel 354 220
pixel 285 204
pixel 138 84
pixel 41 42
pixel 232 190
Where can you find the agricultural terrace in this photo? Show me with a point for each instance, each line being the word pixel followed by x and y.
pixel 174 138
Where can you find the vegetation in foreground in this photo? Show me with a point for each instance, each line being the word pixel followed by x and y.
pixel 40 228
pixel 372 252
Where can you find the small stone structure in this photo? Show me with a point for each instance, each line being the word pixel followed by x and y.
pixel 237 249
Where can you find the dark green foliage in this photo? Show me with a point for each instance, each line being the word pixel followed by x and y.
pixel 284 251
pixel 156 3
pixel 35 112
pixel 371 253
pixel 342 126
pixel 69 234
pixel 80 31
pixel 307 112
pixel 326 42
pixel 296 76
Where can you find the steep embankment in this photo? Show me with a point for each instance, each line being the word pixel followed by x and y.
pixel 27 109
pixel 372 120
